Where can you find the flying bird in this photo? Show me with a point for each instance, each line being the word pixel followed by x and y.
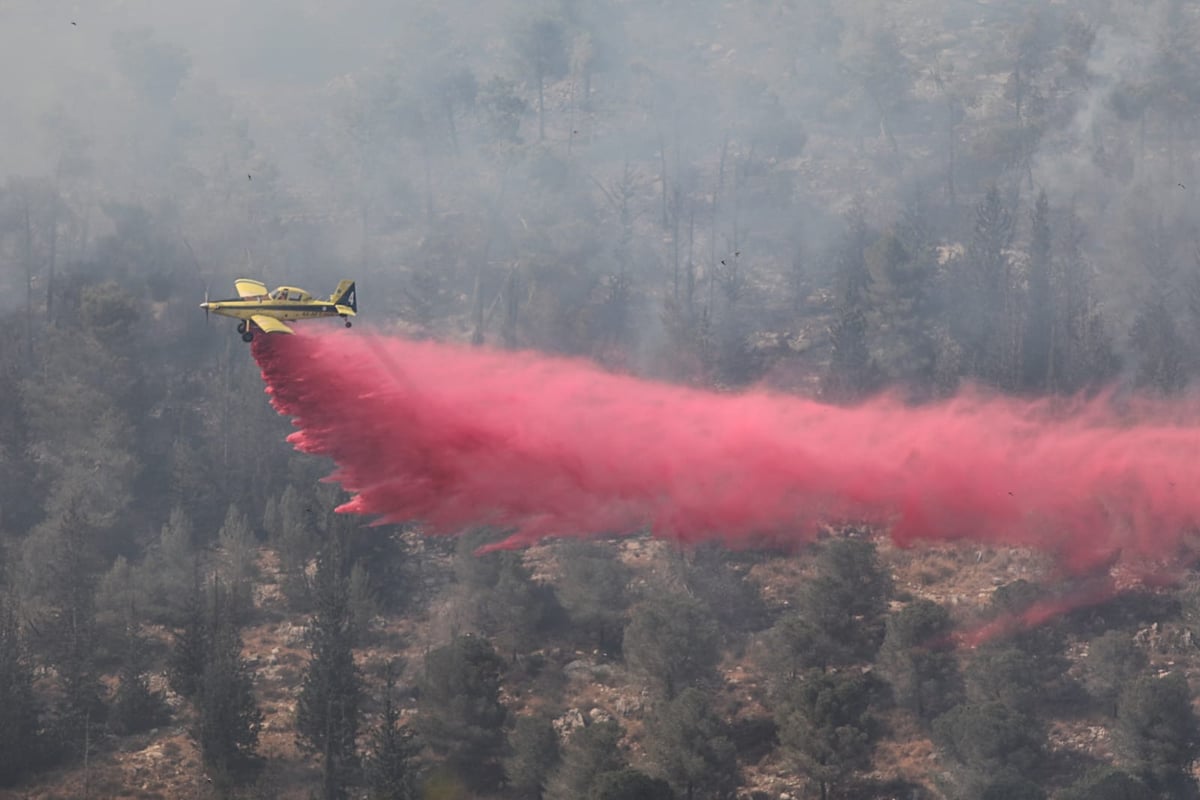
pixel 249 178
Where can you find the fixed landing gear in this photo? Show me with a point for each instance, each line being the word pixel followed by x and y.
pixel 347 323
pixel 248 336
pixel 242 326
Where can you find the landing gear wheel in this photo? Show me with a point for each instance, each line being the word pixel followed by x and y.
pixel 347 323
pixel 248 336
pixel 242 326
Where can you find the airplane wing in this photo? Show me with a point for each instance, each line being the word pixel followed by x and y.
pixel 247 287
pixel 269 324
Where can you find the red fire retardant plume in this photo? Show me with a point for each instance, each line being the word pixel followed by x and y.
pixel 458 437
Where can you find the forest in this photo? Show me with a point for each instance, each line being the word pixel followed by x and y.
pixel 834 200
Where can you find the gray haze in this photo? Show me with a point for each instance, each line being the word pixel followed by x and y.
pixel 374 134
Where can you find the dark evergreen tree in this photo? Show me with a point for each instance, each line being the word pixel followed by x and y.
pixel 1107 783
pixel 672 640
pixel 499 597
pixel 916 660
pixel 984 305
pixel 542 49
pixel 592 751
pixel 852 372
pixel 734 600
pixel 20 734
pixel 228 717
pixel 982 744
pixel 1083 349
pixel 688 744
pixel 846 599
pixel 592 589
pixel 826 727
pixel 1161 351
pixel 69 632
pixel 460 717
pixel 629 784
pixel 391 764
pixel 135 706
pixel 1037 342
pixel 1113 661
pixel 1156 734
pixel 533 754
pixel 192 640
pixel 901 295
pixel 327 709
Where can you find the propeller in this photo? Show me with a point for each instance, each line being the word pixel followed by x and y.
pixel 206 304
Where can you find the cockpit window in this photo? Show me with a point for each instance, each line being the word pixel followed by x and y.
pixel 279 294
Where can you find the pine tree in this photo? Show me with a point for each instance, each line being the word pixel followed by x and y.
pixel 229 718
pixel 1038 338
pixel 1157 733
pixel 461 717
pixel 672 640
pixel 328 707
pixel 391 766
pixel 915 659
pixel 592 751
pixel 20 741
pixel 689 744
pixel 826 726
pixel 533 754
pixel 135 706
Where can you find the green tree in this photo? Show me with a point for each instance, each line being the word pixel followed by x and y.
pixel 593 590
pixel 1107 783
pixel 135 706
pixel 852 373
pixel 825 725
pixel 20 740
pixel 592 751
pixel 1156 734
pixel 391 763
pixel 229 719
pixel 672 641
pixel 1037 342
pixel 499 597
pixel 169 565
pixel 541 46
pixel 1113 661
pixel 916 660
pixel 191 642
pixel 1161 351
pixel 847 598
pixel 460 715
pixel 296 542
pixel 327 709
pixel 629 784
pixel 688 743
pixel 239 562
pixel 901 293
pixel 533 755
pixel 985 307
pixel 983 743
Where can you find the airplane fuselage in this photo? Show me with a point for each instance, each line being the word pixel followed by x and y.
pixel 283 310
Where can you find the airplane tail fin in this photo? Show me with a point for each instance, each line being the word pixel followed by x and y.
pixel 345 295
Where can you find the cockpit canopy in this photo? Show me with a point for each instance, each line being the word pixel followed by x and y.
pixel 290 293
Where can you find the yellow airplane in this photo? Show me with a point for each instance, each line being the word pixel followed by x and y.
pixel 267 311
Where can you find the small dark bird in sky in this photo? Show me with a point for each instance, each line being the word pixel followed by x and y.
pixel 722 262
pixel 1010 494
pixel 1181 186
pixel 249 178
pixel 737 253
pixel 73 23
